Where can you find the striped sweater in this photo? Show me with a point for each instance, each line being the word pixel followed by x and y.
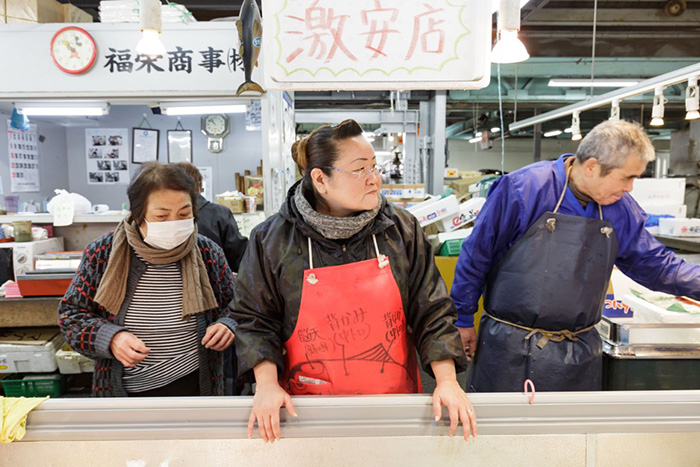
pixel 89 328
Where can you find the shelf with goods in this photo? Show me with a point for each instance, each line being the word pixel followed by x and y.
pixel 88 227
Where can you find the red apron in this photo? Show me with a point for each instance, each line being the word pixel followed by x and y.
pixel 351 335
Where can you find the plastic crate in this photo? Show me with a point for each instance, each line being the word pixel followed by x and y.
pixel 39 385
pixel 451 247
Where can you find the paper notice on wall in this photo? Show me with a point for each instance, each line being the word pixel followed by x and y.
pixel 107 154
pixel 253 116
pixel 23 148
pixel 207 182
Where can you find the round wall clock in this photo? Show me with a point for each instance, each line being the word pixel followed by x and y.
pixel 73 50
pixel 215 127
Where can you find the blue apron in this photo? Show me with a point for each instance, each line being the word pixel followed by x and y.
pixel 541 302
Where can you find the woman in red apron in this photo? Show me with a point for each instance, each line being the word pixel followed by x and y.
pixel 338 290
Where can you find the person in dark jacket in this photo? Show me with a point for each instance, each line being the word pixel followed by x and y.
pixel 338 290
pixel 149 302
pixel 217 222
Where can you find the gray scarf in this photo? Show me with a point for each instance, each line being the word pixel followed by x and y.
pixel 334 228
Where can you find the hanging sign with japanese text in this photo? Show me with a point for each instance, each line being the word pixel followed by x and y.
pixel 377 44
pixel 201 59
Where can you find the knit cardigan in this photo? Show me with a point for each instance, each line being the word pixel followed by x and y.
pixel 89 328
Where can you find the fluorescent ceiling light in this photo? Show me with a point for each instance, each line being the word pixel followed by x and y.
pixel 667 79
pixel 587 83
pixel 183 109
pixel 552 133
pixel 495 129
pixel 63 109
pixel 475 139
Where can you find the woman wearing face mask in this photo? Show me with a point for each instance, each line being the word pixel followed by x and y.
pixel 149 301
pixel 337 291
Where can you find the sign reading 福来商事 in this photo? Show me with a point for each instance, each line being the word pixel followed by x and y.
pixel 377 44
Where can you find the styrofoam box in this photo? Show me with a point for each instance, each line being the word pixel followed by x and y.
pixel 659 191
pixel 675 210
pixel 431 210
pixel 71 362
pixel 467 213
pixel 679 227
pixel 23 358
pixel 403 190
pixel 645 312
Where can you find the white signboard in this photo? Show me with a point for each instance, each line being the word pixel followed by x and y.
pixel 23 146
pixel 377 44
pixel 202 59
pixel 107 153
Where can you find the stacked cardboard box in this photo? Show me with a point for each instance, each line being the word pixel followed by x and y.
pixel 41 11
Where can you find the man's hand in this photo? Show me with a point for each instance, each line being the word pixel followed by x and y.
pixel 128 349
pixel 468 336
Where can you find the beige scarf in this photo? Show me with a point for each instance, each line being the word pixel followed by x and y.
pixel 197 294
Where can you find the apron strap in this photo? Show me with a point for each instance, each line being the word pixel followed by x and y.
pixel 554 336
pixel 311 256
pixel 382 260
pixel 563 192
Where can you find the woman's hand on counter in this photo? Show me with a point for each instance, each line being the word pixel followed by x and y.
pixel 128 349
pixel 450 394
pixel 269 397
pixel 218 337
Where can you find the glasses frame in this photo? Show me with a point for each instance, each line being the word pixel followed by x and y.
pixel 363 174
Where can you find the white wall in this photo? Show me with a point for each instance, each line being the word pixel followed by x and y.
pixel 53 171
pixel 242 151
pixel 519 153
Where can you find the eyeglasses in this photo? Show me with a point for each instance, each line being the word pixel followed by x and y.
pixel 363 174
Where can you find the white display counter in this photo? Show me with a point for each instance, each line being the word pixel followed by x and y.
pixel 568 429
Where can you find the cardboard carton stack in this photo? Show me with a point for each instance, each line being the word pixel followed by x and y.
pixel 41 11
pixel 404 195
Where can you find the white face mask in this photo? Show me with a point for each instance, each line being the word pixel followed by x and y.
pixel 168 234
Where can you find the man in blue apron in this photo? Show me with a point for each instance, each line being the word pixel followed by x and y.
pixel 542 251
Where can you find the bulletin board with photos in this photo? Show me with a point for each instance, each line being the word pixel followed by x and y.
pixel 107 155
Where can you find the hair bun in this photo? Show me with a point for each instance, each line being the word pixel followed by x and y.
pixel 299 153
